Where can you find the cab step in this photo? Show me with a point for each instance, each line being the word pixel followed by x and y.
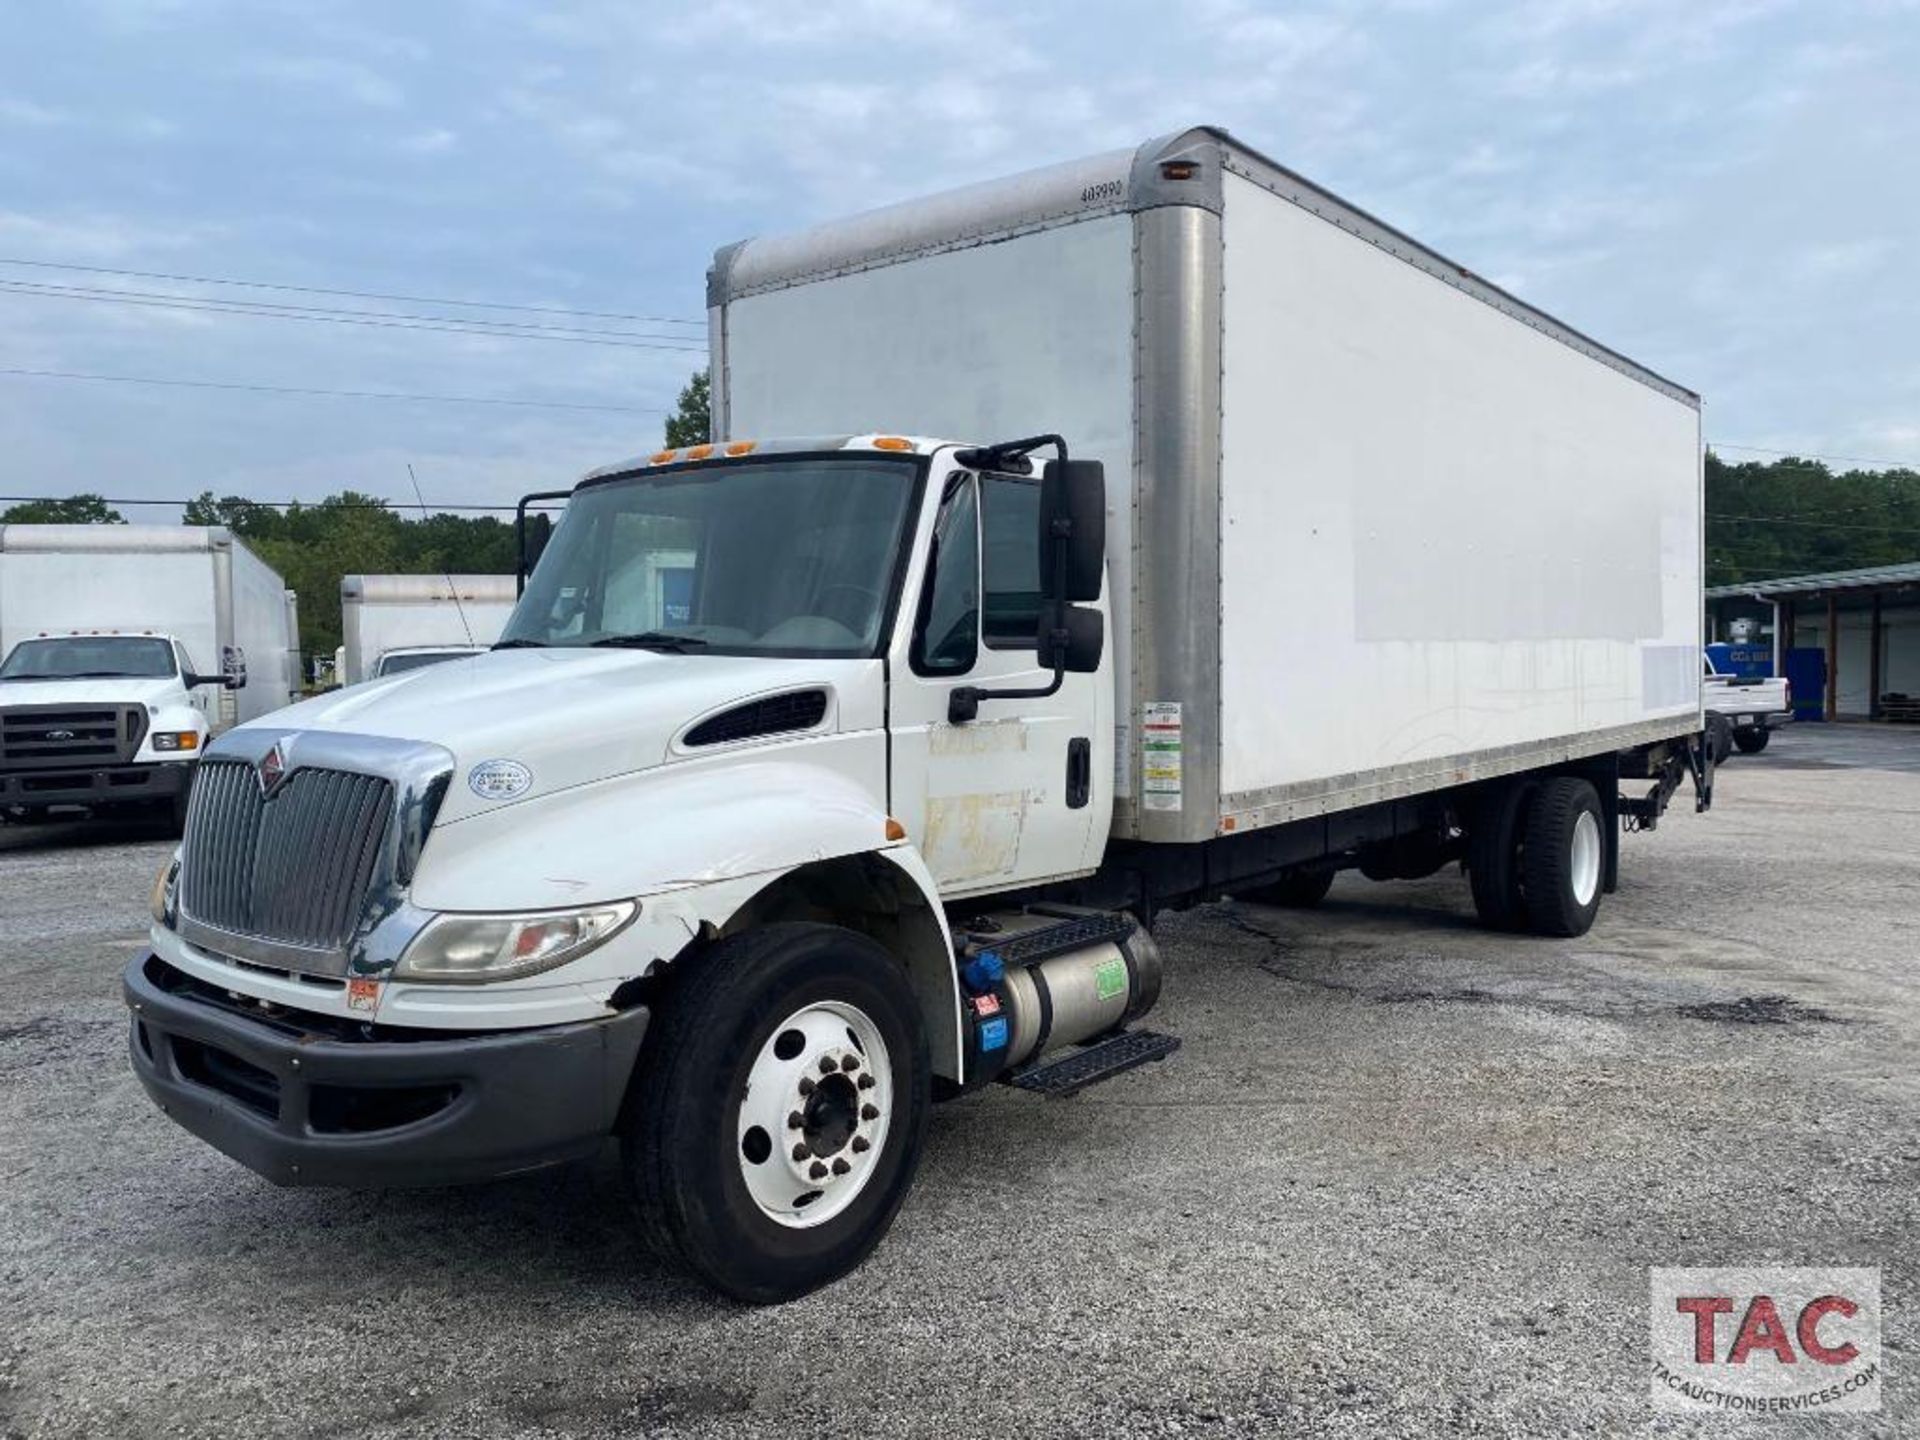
pixel 1030 947
pixel 1099 1061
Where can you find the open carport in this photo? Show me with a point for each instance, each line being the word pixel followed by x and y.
pixel 1849 640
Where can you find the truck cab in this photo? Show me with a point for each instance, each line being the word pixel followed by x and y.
pixel 102 720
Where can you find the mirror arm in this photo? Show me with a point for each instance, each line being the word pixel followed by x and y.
pixel 963 701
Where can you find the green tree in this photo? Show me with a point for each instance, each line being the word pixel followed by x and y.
pixel 236 512
pixel 74 510
pixel 692 421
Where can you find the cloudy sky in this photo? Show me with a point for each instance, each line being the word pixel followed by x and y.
pixel 1728 190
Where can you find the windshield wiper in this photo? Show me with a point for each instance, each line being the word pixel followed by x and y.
pixel 652 640
pixel 521 645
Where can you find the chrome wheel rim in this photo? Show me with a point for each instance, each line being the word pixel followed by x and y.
pixel 1586 858
pixel 813 1120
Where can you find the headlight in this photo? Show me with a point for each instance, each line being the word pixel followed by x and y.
pixel 160 902
pixel 176 739
pixel 476 949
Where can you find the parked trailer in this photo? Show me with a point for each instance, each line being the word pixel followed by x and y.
pixel 1272 544
pixel 125 648
pixel 398 622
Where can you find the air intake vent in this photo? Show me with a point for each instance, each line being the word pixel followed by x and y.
pixel 776 715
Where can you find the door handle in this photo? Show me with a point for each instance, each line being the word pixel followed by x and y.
pixel 1079 772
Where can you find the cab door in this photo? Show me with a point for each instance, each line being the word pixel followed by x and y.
pixel 1023 792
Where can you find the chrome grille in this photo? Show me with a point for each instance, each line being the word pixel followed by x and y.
pixel 68 735
pixel 293 867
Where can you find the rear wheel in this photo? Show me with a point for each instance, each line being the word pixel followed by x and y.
pixel 1752 740
pixel 1298 889
pixel 1563 857
pixel 1493 857
pixel 779 1109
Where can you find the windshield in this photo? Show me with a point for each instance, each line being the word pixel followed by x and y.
pixel 414 660
pixel 73 657
pixel 790 557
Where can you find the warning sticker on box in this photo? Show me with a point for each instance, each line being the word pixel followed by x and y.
pixel 1160 754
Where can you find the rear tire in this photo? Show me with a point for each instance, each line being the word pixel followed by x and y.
pixel 1564 857
pixel 1752 740
pixel 1493 858
pixel 718 1183
pixel 1296 890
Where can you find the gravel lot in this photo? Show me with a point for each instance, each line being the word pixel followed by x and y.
pixel 1406 1177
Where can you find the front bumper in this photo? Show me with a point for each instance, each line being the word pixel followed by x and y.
pixel 305 1100
pixel 99 785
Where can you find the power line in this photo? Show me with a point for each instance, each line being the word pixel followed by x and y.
pixel 391 506
pixel 352 294
pixel 282 310
pixel 332 394
pixel 1812 455
pixel 1816 524
pixel 447 326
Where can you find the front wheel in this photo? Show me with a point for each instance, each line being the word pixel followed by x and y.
pixel 779 1109
pixel 1752 740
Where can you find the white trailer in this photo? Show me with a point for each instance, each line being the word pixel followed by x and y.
pixel 1267 543
pixel 390 623
pixel 123 648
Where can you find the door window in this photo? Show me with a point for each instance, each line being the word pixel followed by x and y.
pixel 1010 564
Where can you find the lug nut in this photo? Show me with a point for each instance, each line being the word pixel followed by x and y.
pixel 866 1081
pixel 827 1067
pixel 841 1167
pixel 850 1064
pixel 806 1084
pixel 861 1144
pixel 801 1151
pixel 795 1120
pixel 869 1112
pixel 817 1170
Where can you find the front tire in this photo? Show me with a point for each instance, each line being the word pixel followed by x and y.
pixel 1564 857
pixel 1753 739
pixel 779 1109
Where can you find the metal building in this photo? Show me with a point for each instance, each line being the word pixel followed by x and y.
pixel 1849 640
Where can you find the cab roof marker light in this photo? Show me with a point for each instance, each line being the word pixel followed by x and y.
pixel 741 447
pixel 891 442
pixel 699 452
pixel 661 457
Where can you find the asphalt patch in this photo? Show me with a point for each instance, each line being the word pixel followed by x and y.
pixel 1760 1010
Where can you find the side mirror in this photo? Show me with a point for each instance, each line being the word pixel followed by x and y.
pixel 233 668
pixel 1073 510
pixel 1077 645
pixel 531 533
pixel 539 532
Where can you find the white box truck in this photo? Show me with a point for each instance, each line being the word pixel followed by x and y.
pixel 391 623
pixel 123 649
pixel 1262 542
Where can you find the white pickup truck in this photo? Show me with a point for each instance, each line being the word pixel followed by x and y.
pixel 816 780
pixel 102 721
pixel 1743 711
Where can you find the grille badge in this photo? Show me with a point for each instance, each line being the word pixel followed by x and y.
pixel 59 734
pixel 272 769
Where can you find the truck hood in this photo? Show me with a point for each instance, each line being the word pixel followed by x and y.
pixel 150 691
pixel 571 716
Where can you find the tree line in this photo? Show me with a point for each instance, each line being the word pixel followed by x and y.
pixel 1764 518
